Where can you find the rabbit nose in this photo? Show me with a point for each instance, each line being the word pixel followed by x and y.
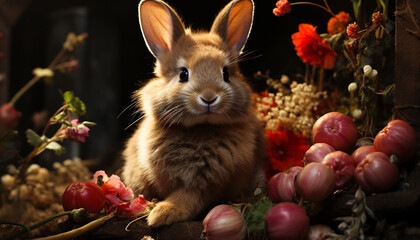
pixel 209 102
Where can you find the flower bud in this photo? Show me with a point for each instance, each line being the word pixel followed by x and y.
pixel 284 79
pixel 7 181
pixel 352 87
pixel 367 70
pixel 357 113
pixel 374 73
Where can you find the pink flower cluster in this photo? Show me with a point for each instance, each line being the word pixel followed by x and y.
pixel 77 132
pixel 118 196
pixel 282 7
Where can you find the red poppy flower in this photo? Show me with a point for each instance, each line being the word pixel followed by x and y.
pixel 284 149
pixel 311 48
pixel 282 7
pixel 337 23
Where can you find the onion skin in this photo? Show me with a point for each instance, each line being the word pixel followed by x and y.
pixel 224 222
pixel 360 153
pixel 317 231
pixel 272 187
pixel 286 221
pixel 376 173
pixel 316 182
pixel 343 167
pixel 286 185
pixel 317 152
pixel 397 138
pixel 335 129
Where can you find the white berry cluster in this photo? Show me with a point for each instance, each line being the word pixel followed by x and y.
pixel 291 106
pixel 39 197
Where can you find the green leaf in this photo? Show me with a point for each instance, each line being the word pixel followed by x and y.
pixel 75 104
pixel 60 117
pixel 56 147
pixel 255 215
pixel 33 138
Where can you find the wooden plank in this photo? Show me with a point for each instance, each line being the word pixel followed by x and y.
pixel 407 63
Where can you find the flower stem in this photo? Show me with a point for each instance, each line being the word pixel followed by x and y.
pixel 28 230
pixel 314 4
pixel 321 79
pixel 37 225
pixel 35 79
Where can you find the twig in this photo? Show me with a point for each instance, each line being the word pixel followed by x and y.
pixel 313 4
pixel 37 78
pixel 79 231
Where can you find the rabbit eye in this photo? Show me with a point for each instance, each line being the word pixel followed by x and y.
pixel 183 76
pixel 226 74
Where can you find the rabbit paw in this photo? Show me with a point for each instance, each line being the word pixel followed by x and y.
pixel 166 213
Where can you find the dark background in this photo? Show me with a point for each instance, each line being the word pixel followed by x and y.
pixel 114 60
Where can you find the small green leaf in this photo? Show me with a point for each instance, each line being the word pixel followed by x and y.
pixel 33 138
pixel 255 215
pixel 56 147
pixel 60 117
pixel 75 104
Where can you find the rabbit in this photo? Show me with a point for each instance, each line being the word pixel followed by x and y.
pixel 199 142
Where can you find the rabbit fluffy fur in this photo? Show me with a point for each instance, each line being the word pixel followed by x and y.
pixel 199 142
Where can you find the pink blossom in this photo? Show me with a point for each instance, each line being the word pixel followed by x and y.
pixel 77 132
pixel 116 194
pixel 138 205
pixel 282 7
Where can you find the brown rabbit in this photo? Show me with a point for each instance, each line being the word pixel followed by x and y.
pixel 199 142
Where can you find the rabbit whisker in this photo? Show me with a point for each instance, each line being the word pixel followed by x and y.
pixel 134 122
pixel 131 105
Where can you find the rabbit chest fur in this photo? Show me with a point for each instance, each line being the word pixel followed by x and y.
pixel 199 142
pixel 219 162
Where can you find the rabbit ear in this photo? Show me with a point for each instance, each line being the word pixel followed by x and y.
pixel 234 23
pixel 160 25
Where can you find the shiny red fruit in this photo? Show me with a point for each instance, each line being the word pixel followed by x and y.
pixel 376 173
pixel 397 138
pixel 335 129
pixel 84 194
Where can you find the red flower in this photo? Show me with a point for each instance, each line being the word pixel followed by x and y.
pixel 352 31
pixel 117 195
pixel 311 48
pixel 377 18
pixel 337 23
pixel 77 132
pixel 282 7
pixel 284 149
pixel 138 205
